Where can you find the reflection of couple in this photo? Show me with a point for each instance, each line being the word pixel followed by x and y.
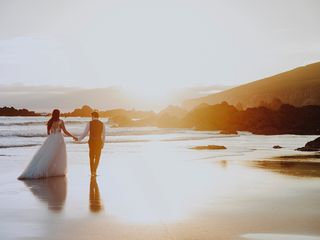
pixel 51 158
pixel 53 191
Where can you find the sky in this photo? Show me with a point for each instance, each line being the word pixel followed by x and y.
pixel 150 47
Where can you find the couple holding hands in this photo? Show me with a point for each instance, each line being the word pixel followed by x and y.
pixel 51 158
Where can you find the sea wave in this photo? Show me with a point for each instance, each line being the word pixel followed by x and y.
pixel 18 145
pixel 23 135
pixel 21 123
pixel 148 131
pixel 38 144
pixel 39 123
pixel 109 133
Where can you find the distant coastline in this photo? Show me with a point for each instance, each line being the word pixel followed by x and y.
pixel 13 112
pixel 270 119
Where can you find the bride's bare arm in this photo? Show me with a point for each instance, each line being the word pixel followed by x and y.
pixel 66 131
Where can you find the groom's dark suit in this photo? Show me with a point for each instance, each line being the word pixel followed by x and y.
pixel 96 131
pixel 95 137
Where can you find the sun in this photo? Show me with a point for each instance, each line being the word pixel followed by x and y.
pixel 156 95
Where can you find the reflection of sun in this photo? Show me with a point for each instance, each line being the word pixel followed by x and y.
pixel 156 186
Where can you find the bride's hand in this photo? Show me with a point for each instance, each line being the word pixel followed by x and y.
pixel 75 138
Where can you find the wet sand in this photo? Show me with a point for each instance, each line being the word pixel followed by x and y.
pixel 159 191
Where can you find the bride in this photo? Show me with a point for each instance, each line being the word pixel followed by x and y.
pixel 51 158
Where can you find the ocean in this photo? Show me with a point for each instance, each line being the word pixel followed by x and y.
pixel 21 133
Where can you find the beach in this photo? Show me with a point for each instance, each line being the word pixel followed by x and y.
pixel 152 185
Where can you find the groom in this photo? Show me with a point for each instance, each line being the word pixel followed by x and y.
pixel 96 130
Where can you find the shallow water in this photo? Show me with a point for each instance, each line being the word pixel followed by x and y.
pixel 151 185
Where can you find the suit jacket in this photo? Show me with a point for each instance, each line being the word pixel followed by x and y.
pixel 96 131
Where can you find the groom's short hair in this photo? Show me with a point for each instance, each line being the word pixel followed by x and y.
pixel 95 114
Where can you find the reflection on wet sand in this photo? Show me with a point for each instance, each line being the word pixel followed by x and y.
pixel 315 156
pixel 292 168
pixel 52 191
pixel 94 196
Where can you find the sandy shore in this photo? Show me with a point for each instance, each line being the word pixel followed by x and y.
pixel 175 194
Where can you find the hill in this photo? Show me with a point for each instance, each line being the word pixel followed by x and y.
pixel 298 87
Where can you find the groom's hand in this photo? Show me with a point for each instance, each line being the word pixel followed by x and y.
pixel 75 139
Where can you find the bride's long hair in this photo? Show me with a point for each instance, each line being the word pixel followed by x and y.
pixel 55 116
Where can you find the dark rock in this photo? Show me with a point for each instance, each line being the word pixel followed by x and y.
pixel 11 111
pixel 84 111
pixel 311 146
pixel 286 119
pixel 209 147
pixel 277 147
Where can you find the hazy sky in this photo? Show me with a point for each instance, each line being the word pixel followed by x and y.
pixel 154 45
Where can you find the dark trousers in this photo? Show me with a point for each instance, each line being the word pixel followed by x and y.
pixel 94 155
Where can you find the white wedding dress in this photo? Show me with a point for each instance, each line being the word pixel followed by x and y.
pixel 51 158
